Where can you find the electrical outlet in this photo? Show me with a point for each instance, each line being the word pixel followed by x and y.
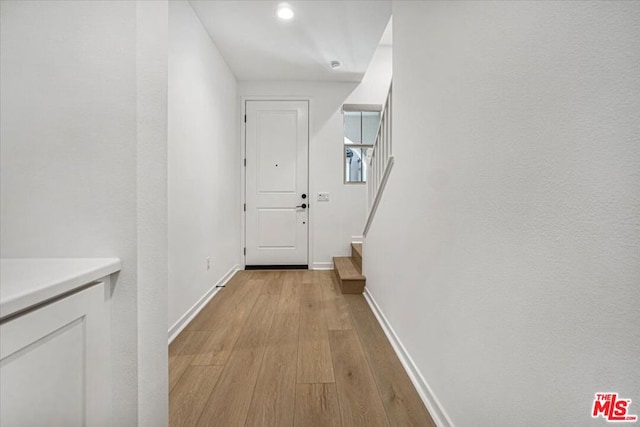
pixel 323 197
pixel 208 263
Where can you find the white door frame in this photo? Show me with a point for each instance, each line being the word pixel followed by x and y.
pixel 243 175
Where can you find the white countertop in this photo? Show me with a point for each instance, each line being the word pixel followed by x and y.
pixel 25 282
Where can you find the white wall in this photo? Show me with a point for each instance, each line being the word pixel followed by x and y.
pixel 374 87
pixel 333 224
pixel 152 47
pixel 506 250
pixel 79 103
pixel 204 164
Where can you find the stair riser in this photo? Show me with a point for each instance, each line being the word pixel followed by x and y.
pixel 351 281
pixel 352 286
pixel 357 260
pixel 335 272
pixel 356 255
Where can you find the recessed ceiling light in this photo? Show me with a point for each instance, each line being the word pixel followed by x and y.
pixel 336 64
pixel 284 12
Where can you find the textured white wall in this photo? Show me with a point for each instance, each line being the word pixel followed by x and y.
pixel 152 235
pixel 334 223
pixel 68 128
pixel 204 163
pixel 374 86
pixel 79 103
pixel 506 250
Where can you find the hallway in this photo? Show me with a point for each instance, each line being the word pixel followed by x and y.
pixel 284 348
pixel 152 150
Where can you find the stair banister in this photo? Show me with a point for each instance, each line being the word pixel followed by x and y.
pixel 380 162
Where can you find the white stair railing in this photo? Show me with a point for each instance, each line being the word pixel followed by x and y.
pixel 380 162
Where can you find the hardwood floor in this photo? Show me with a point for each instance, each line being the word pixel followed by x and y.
pixel 287 348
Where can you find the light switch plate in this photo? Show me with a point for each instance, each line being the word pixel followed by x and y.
pixel 323 197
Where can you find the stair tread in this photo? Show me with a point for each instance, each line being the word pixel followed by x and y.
pixel 358 248
pixel 347 270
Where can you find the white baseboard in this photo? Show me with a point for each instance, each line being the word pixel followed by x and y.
pixel 321 266
pixel 357 239
pixel 434 407
pixel 199 305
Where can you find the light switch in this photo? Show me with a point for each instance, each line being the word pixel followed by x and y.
pixel 323 197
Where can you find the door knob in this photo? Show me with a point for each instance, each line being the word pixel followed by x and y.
pixel 303 206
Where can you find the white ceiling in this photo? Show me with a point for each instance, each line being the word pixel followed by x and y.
pixel 259 46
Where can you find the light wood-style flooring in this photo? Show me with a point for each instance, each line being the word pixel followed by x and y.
pixel 286 348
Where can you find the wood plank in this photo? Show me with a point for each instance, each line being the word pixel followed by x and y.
pixel 291 292
pixel 349 278
pixel 356 250
pixel 187 399
pixel 308 277
pixel 360 403
pixel 229 402
pixel 225 301
pixel 346 268
pixel 188 343
pixel 356 255
pixel 274 396
pixel 252 373
pixel 400 399
pixel 227 325
pixel 336 307
pixel 314 353
pixel 177 366
pixel 317 405
pixel 272 281
pixel 349 287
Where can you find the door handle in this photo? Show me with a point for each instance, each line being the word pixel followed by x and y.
pixel 303 206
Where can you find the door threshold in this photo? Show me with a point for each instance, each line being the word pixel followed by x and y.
pixel 276 267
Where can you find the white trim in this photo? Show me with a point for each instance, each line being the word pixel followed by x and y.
pixel 321 266
pixel 437 412
pixel 357 239
pixel 199 305
pixel 243 173
pixel 376 108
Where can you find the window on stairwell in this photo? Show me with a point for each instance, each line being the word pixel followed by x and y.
pixel 361 122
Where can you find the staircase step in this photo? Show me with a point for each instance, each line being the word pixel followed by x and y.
pixel 350 279
pixel 356 255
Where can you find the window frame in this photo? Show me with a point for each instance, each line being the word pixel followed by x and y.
pixel 359 108
pixel 344 161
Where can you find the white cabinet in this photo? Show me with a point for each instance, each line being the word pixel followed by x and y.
pixel 54 361
pixel 53 366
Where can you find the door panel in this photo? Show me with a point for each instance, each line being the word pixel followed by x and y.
pixel 276 151
pixel 277 228
pixel 277 146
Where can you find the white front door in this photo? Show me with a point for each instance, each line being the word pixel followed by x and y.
pixel 277 183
